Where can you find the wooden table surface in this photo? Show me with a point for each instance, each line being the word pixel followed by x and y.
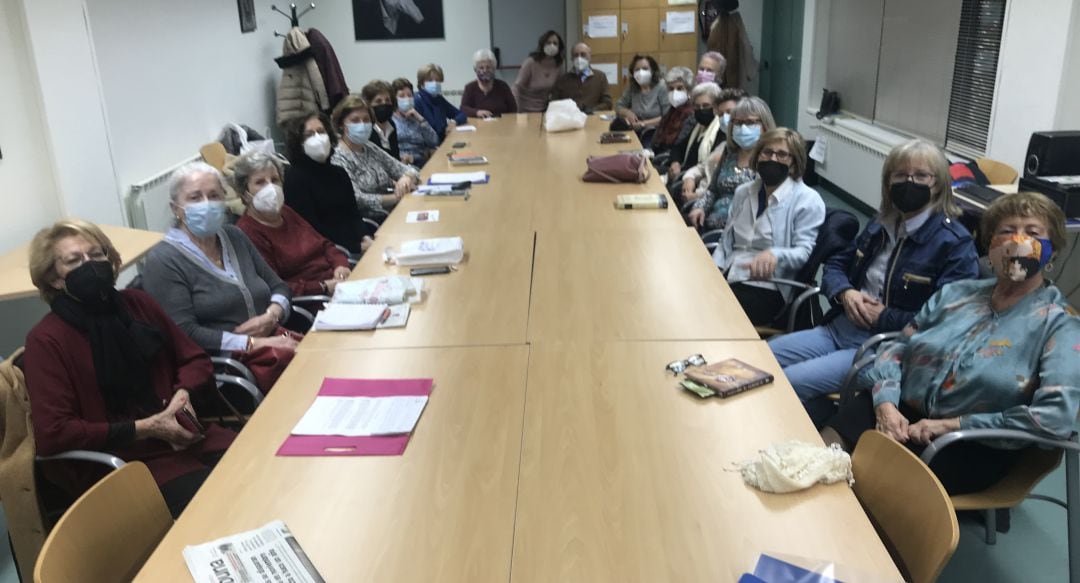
pixel 625 477
pixel 14 265
pixel 486 301
pixel 553 437
pixel 443 511
pixel 630 285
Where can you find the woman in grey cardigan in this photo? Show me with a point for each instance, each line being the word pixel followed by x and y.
pixel 209 277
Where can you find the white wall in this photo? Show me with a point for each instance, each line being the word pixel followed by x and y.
pixel 466 28
pixel 173 73
pixel 27 189
pixel 1068 114
pixel 1030 70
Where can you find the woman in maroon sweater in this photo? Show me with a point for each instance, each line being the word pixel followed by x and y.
pixel 308 262
pixel 487 96
pixel 108 370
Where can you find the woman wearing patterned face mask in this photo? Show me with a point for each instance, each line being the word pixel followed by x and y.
pixel 307 261
pixel 379 180
pixel 487 96
pixel 539 72
pixel 1002 353
pixel 108 370
pixel 209 277
pixel 319 191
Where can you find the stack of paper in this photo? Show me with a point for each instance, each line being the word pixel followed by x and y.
pixel 351 316
pixel 388 290
pixel 456 177
pixel 439 251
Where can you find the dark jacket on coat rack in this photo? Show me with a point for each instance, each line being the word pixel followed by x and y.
pixel 325 57
pixel 728 37
pixel 301 90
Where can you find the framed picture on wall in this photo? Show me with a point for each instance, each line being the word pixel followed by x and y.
pixel 398 19
pixel 247 15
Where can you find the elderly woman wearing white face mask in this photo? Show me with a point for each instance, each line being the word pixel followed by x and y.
pixel 209 277
pixel 307 261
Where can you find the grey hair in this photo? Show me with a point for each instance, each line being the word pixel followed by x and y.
pixel 483 55
pixel 750 107
pixel 712 90
pixel 251 163
pixel 187 172
pixel 721 62
pixel 680 74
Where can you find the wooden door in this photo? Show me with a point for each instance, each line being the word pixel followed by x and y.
pixel 686 41
pixel 603 45
pixel 641 31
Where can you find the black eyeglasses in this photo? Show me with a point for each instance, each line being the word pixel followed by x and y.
pixel 678 366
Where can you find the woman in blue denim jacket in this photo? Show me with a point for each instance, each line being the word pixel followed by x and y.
pixel 909 251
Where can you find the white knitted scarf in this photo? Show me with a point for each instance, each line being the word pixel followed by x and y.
pixel 795 465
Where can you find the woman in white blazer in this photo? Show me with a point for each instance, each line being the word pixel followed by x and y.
pixel 773 226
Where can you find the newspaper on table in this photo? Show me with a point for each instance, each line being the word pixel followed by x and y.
pixel 268 554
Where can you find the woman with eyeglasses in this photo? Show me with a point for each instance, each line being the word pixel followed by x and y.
pixel 712 185
pixel 912 248
pixel 773 226
pixel 107 370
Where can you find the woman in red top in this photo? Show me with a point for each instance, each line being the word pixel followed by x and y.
pixel 308 262
pixel 108 370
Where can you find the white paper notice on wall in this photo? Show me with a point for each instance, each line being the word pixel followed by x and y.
pixel 817 153
pixel 603 26
pixel 609 69
pixel 678 2
pixel 679 22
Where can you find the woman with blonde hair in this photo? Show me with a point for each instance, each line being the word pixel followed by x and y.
pixel 109 370
pixel 912 248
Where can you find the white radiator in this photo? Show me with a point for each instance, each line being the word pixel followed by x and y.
pixel 855 151
pixel 148 201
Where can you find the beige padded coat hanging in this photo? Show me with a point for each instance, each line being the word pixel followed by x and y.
pixel 301 90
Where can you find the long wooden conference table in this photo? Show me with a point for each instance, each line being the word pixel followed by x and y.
pixel 554 447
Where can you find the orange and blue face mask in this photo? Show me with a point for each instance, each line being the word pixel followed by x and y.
pixel 1019 257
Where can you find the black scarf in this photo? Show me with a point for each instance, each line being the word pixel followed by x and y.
pixel 122 349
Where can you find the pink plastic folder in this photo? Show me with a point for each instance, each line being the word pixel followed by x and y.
pixel 338 445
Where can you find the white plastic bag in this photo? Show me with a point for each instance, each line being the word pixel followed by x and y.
pixel 795 465
pixel 563 115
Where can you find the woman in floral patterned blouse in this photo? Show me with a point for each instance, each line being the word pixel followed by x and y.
pixel 1002 353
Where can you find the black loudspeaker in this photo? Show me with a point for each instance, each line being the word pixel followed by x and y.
pixel 1053 154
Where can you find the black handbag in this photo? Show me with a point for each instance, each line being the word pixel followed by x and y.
pixel 830 103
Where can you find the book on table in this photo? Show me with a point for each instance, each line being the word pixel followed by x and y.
pixel 641 201
pixel 728 377
pixel 466 158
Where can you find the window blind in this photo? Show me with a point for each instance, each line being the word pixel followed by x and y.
pixel 974 76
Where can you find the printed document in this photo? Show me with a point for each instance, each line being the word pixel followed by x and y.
pixel 361 416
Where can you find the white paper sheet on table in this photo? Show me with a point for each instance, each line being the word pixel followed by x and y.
pixel 466 128
pixel 422 217
pixel 609 69
pixel 358 416
pixel 350 316
pixel 480 177
pixel 603 26
pixel 679 22
pixel 425 189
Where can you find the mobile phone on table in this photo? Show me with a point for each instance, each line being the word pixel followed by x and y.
pixel 418 271
pixel 459 144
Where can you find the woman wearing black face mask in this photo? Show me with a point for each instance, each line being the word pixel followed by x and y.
pixel 905 254
pixel 687 154
pixel 108 370
pixel 380 96
pixel 773 226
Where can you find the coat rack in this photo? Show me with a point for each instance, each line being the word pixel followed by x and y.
pixel 294 18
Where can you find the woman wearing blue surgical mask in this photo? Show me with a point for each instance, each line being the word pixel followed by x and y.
pixel 379 181
pixel 417 140
pixel 431 104
pixel 210 278
pixel 487 96
pixel 713 184
pixel 539 72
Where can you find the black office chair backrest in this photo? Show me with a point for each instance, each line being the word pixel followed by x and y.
pixel 837 232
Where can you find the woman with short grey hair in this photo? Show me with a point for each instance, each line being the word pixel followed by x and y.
pixel 689 155
pixel 675 126
pixel 308 262
pixel 487 96
pixel 209 277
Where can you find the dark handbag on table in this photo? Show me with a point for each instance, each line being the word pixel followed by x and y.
pixel 617 168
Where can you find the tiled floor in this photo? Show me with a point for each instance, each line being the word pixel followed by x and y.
pixel 1034 551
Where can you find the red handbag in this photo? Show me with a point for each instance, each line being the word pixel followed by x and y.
pixel 617 168
pixel 267 363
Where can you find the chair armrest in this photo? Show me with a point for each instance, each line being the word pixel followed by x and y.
pixel 85 456
pixel 791 283
pixel 847 387
pixel 311 299
pixel 242 383
pixel 982 434
pixel 304 314
pixel 374 224
pixel 708 236
pixel 231 364
pixel 872 342
pixel 712 246
pixel 352 259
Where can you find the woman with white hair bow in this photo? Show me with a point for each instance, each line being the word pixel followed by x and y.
pixel 487 96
